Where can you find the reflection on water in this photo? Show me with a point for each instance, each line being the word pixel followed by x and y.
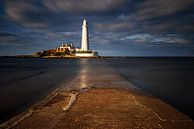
pixel 81 80
pixel 84 73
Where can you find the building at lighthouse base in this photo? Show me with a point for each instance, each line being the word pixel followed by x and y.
pixel 86 54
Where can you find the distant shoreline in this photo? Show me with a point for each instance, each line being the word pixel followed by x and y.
pixel 99 57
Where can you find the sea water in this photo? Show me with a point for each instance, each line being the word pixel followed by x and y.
pixel 170 79
pixel 25 81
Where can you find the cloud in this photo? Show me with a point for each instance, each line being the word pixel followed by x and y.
pixel 183 25
pixel 15 9
pixel 36 25
pixel 21 12
pixel 105 39
pixel 158 39
pixel 82 6
pixel 159 26
pixel 157 8
pixel 185 29
pixel 110 26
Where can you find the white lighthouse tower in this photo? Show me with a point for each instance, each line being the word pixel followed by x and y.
pixel 84 51
pixel 85 39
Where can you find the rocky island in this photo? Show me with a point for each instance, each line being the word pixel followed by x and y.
pixel 68 50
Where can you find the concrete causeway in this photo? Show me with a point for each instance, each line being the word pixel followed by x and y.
pixel 99 98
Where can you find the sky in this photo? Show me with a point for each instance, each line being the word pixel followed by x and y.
pixel 116 27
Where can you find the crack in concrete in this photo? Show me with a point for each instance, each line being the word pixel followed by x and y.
pixel 71 101
pixel 74 98
pixel 157 115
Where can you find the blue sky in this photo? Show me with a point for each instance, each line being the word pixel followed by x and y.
pixel 117 27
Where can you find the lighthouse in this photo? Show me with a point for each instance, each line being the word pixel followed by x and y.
pixel 85 51
pixel 85 39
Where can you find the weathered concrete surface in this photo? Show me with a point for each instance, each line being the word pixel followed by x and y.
pixel 102 100
pixel 106 108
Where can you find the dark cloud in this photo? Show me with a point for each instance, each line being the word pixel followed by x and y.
pixel 186 29
pixel 83 6
pixel 129 26
pixel 157 8
pixel 119 26
pixel 15 10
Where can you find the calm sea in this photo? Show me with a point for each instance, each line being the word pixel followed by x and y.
pixel 25 81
